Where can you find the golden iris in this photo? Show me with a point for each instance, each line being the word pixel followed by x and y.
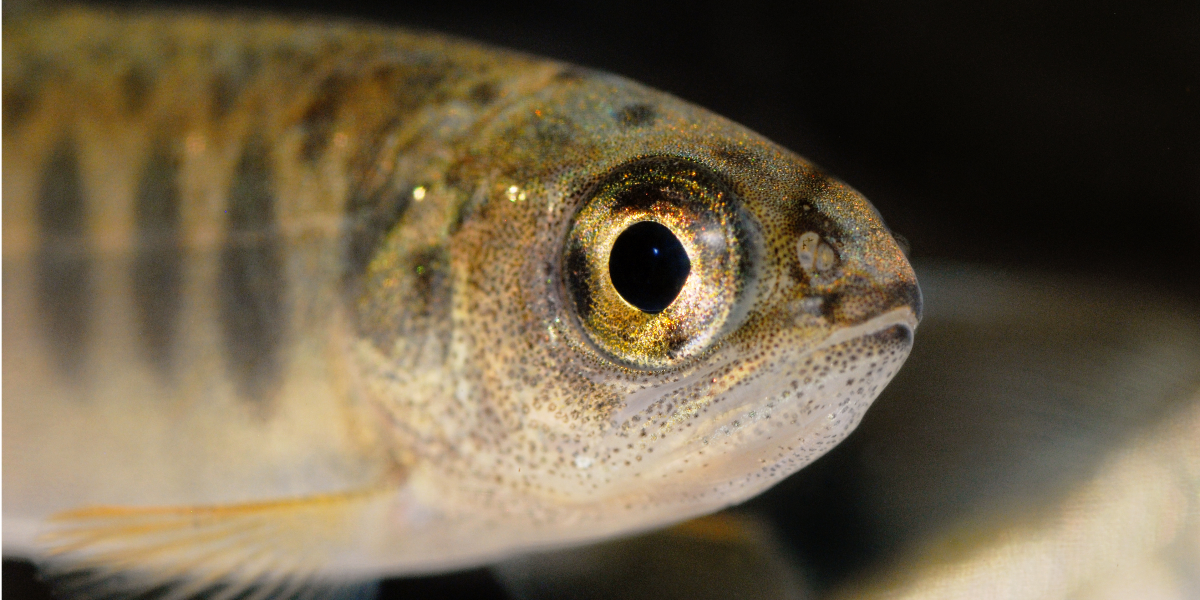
pixel 664 307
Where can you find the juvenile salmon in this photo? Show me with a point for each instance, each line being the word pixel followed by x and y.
pixel 291 302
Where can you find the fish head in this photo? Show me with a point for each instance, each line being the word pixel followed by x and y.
pixel 658 312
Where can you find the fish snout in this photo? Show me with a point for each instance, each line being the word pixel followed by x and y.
pixel 855 279
pixel 860 301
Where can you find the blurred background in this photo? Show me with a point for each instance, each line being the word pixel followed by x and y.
pixel 1043 156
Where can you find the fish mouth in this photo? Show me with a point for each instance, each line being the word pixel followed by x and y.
pixel 795 412
pixel 904 319
pixel 891 332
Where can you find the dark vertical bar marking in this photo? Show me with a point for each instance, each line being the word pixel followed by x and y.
pixel 319 118
pixel 376 203
pixel 63 267
pixel 229 84
pixel 158 258
pixel 370 217
pixel 251 282
pixel 137 85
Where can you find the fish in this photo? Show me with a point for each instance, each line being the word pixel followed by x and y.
pixel 294 304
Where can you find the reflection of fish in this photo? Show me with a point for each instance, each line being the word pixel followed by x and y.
pixel 291 302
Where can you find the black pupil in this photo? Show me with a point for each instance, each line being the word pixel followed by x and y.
pixel 648 266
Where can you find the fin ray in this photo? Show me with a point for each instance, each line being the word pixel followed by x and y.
pixel 253 551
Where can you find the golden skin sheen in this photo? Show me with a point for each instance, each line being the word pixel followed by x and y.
pixel 395 346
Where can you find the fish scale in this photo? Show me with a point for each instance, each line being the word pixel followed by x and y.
pixel 295 301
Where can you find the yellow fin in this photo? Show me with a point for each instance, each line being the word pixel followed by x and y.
pixel 252 551
pixel 723 527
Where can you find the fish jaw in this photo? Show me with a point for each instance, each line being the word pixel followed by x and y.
pixel 761 434
pixel 790 415
pixel 744 434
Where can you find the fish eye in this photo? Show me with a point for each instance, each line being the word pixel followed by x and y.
pixel 654 262
pixel 648 266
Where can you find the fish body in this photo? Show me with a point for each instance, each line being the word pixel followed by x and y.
pixel 291 301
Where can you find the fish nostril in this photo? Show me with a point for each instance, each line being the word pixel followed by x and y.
pixel 816 256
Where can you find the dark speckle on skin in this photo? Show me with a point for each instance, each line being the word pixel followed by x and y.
pixel 734 155
pixel 636 115
pixel 21 97
pixel 483 94
pixel 403 82
pixel 19 102
pixel 807 218
pixel 553 133
pixel 829 308
pixel 796 272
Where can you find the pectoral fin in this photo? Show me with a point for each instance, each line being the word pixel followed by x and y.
pixel 252 551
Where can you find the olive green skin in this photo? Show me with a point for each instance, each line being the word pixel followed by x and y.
pixel 429 344
pixel 540 419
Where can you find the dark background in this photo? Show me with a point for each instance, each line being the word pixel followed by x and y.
pixel 1056 136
